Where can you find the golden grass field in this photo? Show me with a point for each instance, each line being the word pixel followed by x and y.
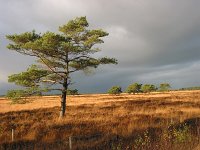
pixel 101 121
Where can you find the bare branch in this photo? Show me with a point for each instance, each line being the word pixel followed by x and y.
pixel 51 81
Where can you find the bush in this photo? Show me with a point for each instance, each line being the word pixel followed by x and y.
pixel 17 96
pixel 134 88
pixel 164 87
pixel 72 92
pixel 148 88
pixel 115 90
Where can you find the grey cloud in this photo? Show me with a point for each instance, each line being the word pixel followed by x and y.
pixel 154 40
pixel 168 30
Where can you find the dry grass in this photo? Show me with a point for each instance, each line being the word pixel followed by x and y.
pixel 124 116
pixel 98 99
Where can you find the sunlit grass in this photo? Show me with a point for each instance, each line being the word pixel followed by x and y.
pixel 122 121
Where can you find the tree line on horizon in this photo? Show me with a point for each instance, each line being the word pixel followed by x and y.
pixel 140 88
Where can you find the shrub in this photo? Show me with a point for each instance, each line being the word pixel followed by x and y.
pixel 16 96
pixel 20 96
pixel 72 92
pixel 164 87
pixel 134 88
pixel 115 90
pixel 148 88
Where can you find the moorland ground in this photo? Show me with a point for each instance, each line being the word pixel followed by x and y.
pixel 101 121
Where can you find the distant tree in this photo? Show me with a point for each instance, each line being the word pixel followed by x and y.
pixel 59 55
pixel 164 87
pixel 15 95
pixel 148 88
pixel 115 90
pixel 72 92
pixel 134 88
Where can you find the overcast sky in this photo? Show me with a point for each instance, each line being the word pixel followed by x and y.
pixel 154 40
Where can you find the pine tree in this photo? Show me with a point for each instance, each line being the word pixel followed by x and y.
pixel 58 55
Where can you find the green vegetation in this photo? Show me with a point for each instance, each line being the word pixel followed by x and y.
pixel 59 55
pixel 115 90
pixel 164 87
pixel 181 134
pixel 139 88
pixel 146 88
pixel 134 88
pixel 72 92
pixel 29 79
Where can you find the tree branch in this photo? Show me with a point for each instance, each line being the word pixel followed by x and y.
pixel 49 66
pixel 83 56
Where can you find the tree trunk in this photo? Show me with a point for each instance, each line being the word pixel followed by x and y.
pixel 63 104
pixel 63 100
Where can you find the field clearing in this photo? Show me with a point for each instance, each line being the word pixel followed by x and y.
pixel 117 120
pixel 100 99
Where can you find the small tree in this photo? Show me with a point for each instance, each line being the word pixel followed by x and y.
pixel 59 55
pixel 164 87
pixel 148 88
pixel 115 90
pixel 134 88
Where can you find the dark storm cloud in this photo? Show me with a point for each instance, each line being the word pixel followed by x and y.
pixel 154 40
